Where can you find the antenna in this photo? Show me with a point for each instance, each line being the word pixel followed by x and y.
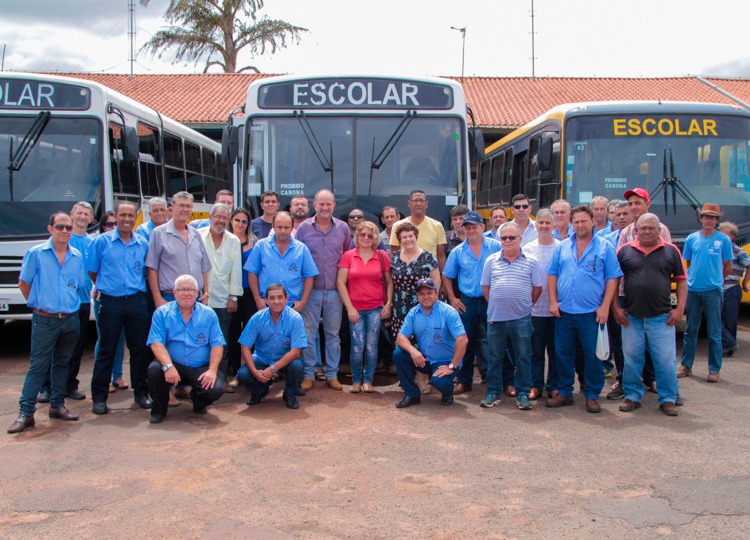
pixel 131 34
pixel 533 57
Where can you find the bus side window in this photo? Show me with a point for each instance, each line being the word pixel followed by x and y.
pixel 194 171
pixel 124 173
pixel 174 166
pixel 214 183
pixel 483 183
pixel 150 161
pixel 496 179
pixel 531 182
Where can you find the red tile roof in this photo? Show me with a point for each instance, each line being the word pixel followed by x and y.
pixel 498 102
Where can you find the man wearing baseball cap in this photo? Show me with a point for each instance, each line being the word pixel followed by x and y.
pixel 708 253
pixel 441 344
pixel 464 266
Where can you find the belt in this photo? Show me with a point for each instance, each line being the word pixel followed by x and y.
pixel 52 315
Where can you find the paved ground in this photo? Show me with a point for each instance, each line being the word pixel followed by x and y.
pixel 346 466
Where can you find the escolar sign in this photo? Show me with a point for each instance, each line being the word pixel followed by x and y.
pixel 679 127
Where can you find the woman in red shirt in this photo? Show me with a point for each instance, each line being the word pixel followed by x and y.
pixel 366 288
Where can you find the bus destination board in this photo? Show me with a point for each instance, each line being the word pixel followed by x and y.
pixel 42 95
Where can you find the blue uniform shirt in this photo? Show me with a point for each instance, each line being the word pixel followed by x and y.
pixel 82 244
pixel 706 255
pixel 54 289
pixel 145 229
pixel 581 284
pixel 556 235
pixel 436 333
pixel 462 263
pixel 120 267
pixel 272 341
pixel 188 344
pixel 290 270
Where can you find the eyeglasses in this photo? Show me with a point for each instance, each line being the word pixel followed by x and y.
pixel 356 216
pixel 243 221
pixel 61 227
pixel 519 206
pixel 110 224
pixel 366 235
pixel 507 238
pixel 186 291
pixel 184 205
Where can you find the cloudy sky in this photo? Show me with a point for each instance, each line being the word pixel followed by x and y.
pixel 587 38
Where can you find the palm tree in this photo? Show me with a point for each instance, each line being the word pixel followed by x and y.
pixel 202 28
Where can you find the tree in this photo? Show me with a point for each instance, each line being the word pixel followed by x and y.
pixel 201 28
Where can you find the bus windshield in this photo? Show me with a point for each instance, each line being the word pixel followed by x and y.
pixel 607 155
pixel 63 167
pixel 428 155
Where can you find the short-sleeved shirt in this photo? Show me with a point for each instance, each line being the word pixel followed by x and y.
pixel 82 243
pixel 581 283
pixel 556 235
pixel 431 234
pixel 200 223
pixel 648 277
pixel 510 284
pixel 261 228
pixel 120 268
pixel 326 248
pixel 385 240
pixel 436 333
pixel 225 276
pixel 740 262
pixel 145 229
pixel 365 280
pixel 188 343
pixel 529 235
pixel 706 255
pixel 273 340
pixel 543 254
pixel 290 269
pixel 171 257
pixel 54 288
pixel 606 230
pixel 464 265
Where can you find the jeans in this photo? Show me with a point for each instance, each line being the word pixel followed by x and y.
pixel 730 312
pixel 292 379
pixel 118 313
pixel 365 334
pixel 328 303
pixel 475 323
pixel 52 344
pixel 407 371
pixel 119 354
pixel 572 329
pixel 159 388
pixel 74 364
pixel 655 333
pixel 543 340
pixel 519 332
pixel 225 320
pixel 709 304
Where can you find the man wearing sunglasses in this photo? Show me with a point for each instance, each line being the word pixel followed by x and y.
pixel 52 279
pixel 521 209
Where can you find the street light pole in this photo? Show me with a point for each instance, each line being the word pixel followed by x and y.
pixel 463 48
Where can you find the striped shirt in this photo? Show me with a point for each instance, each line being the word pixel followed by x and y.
pixel 510 284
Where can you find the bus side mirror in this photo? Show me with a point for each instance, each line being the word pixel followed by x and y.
pixel 131 144
pixel 544 157
pixel 229 144
pixel 476 145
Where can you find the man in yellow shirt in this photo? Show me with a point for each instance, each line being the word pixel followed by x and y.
pixel 431 232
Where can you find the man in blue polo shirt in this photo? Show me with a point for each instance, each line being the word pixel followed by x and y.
pixel 278 336
pixel 441 344
pixel 187 343
pixel 117 264
pixel 51 279
pixel 463 270
pixel 281 259
pixel 583 279
pixel 158 215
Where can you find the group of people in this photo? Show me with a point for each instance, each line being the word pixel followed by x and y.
pixel 207 305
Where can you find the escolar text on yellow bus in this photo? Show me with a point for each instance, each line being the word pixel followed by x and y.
pixel 680 127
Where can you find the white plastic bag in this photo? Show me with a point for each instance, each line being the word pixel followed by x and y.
pixel 602 343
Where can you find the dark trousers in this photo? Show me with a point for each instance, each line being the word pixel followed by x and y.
pixel 407 371
pixel 292 379
pixel 225 321
pixel 475 323
pixel 543 341
pixel 74 364
pixel 730 313
pixel 159 388
pixel 118 313
pixel 246 308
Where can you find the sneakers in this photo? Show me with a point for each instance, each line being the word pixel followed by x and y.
pixel 307 384
pixel 729 351
pixel 490 401
pixel 616 392
pixel 629 405
pixel 683 371
pixel 713 376
pixel 523 403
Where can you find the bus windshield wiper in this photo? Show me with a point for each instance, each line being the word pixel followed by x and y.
pixel 17 159
pixel 670 180
pixel 325 161
pixel 390 144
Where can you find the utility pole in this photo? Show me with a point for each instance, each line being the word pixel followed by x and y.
pixel 131 34
pixel 463 48
pixel 533 56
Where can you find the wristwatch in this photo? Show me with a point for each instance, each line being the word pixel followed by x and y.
pixel 233 298
pixel 274 370
pixel 166 368
pixel 451 367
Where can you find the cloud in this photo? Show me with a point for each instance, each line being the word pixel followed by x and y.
pixel 739 67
